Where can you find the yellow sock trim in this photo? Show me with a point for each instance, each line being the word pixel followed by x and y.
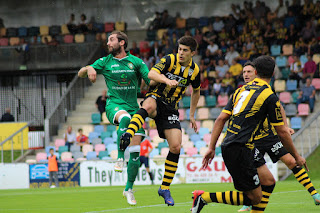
pixel 219 197
pixel 171 163
pixel 171 168
pixel 164 187
pixel 227 196
pixel 299 173
pixel 206 197
pixel 235 198
pixel 169 174
pixel 167 180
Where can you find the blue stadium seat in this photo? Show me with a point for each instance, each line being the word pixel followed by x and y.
pixel 275 50
pixel 281 61
pixel 203 131
pixel 54 30
pixel 111 128
pixel 75 148
pixel 292 85
pixel 77 155
pixel 211 101
pixel 93 135
pixel 96 118
pixel 99 27
pixel 214 113
pixel 199 144
pixel 105 135
pixel 296 122
pixel 111 146
pixel 186 101
pixel 33 31
pixel 162 145
pixel 22 32
pixel 291 110
pixel 108 140
pixel 103 154
pixel 92 156
pixel 303 59
pixel 99 128
pixel 203 21
pixel 63 149
pixel 154 152
pixel 195 137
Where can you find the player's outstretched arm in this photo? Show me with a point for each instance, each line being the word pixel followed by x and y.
pixel 157 77
pixel 195 95
pixel 89 72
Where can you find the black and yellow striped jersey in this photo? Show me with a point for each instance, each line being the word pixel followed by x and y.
pixel 266 134
pixel 172 69
pixel 249 106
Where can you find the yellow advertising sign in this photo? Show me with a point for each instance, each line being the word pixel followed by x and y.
pixel 7 129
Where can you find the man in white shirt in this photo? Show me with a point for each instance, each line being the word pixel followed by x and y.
pixel 69 137
pixel 212 47
pixel 231 54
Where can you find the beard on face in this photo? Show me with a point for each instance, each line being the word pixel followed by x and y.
pixel 115 50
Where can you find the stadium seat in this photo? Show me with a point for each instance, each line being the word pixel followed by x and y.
pixel 13 41
pixel 281 61
pixel 279 85
pixel 185 138
pixel 203 113
pixel 90 38
pixel 48 37
pixel 296 122
pixel 93 135
pixel 184 124
pixel 54 30
pixel 12 32
pixel 44 30
pixel 207 138
pixel 114 154
pixel 68 39
pixel 92 156
pixel 114 135
pixel 48 149
pixel 111 146
pixel 77 155
pixel 87 148
pixel 111 128
pixel 22 31
pixel 62 149
pixel 64 29
pixel 180 23
pixel 75 148
pixel 164 151
pixel 186 101
pixel 99 147
pixel 67 157
pixel 59 142
pixel 108 140
pixel 4 42
pixel 285 97
pixel 316 83
pixel 195 137
pixel 202 101
pixel 192 23
pixel 211 101
pixel 203 131
pixel 208 124
pixel 303 59
pixel 151 35
pixel 214 113
pixel 316 58
pixel 187 145
pixel 203 21
pixel 287 49
pixel 187 115
pixel 96 118
pixel 200 144
pixel 33 31
pixel 105 135
pixel 103 154
pixel 198 123
pixel 79 38
pixel 41 157
pixel 292 85
pixel 191 151
pixel 162 145
pixel 218 151
pixel 181 114
pixel 295 96
pixel 96 141
pixel 153 153
pixel 223 100
pixel 204 30
pixel 275 50
pixel 285 72
pixel 203 150
pixel 291 110
pixel 3 32
pixel 99 128
pixel 121 26
pixel 303 109
pixel 108 27
pixel 153 133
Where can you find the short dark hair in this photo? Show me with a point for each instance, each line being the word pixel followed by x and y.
pixel 265 66
pixel 51 149
pixel 121 36
pixel 188 41
pixel 80 130
pixel 249 63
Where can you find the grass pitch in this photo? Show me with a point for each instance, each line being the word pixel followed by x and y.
pixel 288 196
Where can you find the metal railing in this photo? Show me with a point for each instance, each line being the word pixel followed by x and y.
pixel 58 116
pixel 10 138
pixel 43 57
pixel 306 140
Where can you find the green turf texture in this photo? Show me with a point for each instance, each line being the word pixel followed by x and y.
pixel 289 196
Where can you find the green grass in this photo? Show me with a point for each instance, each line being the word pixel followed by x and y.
pixel 7 155
pixel 289 196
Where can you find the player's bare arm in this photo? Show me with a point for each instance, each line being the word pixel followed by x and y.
pixel 216 131
pixel 89 72
pixel 283 113
pixel 155 76
pixel 195 95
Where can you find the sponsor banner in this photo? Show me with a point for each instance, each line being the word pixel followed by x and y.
pixel 68 175
pixel 14 176
pixel 216 172
pixel 7 129
pixel 101 173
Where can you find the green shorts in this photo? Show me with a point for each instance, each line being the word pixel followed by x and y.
pixel 112 110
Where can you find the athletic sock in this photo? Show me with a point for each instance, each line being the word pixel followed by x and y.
pixel 303 178
pixel 229 197
pixel 133 168
pixel 151 176
pixel 266 193
pixel 123 125
pixel 171 166
pixel 137 121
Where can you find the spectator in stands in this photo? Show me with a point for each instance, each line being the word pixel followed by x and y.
pixel 24 50
pixel 1 23
pixel 308 32
pixel 290 19
pixel 101 102
pixel 230 23
pixel 167 21
pixel 218 24
pixel 53 42
pixel 209 35
pixel 53 169
pixel 145 149
pixel 235 70
pixel 204 81
pixel 281 33
pixel 155 49
pixel 222 69
pixel 217 87
pixel 223 46
pixel 227 84
pixel 259 10
pixel 167 49
pixel 83 24
pixel 307 94
pixel 296 69
pixel 244 55
pixel 155 24
pixel 82 139
pixel 134 50
pixel 281 10
pixel 145 48
pixel 212 47
pixel 72 27
pixel 269 35
pixel 173 40
pixel 300 46
pixel 231 55
pixel 292 34
pixel 69 137
pixel 309 69
pixel 7 116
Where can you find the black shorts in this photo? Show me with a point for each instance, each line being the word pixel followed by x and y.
pixel 167 116
pixel 275 150
pixel 240 163
pixel 144 160
pixel 258 158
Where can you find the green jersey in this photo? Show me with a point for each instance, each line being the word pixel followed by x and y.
pixel 123 78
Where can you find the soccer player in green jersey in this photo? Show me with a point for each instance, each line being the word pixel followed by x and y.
pixel 122 72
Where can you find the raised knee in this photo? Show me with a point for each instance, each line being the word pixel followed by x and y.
pixel 256 200
pixel 175 149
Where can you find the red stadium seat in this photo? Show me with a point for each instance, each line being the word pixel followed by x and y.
pixel 4 41
pixel 303 109
pixel 316 83
pixel 68 39
pixel 222 100
pixel 285 97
